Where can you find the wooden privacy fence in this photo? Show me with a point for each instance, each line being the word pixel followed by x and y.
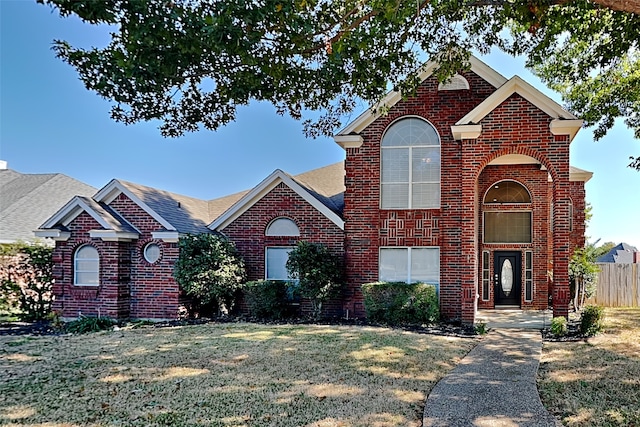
pixel 618 285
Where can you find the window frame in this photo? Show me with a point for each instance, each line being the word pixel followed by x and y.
pixel 409 263
pixel 76 270
pixel 410 183
pixel 510 211
pixel 281 219
pixel 146 247
pixel 266 265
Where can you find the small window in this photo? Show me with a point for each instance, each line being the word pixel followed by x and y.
pixel 507 192
pixel 486 278
pixel 528 276
pixel 456 82
pixel 282 227
pixel 86 267
pixel 276 263
pixel 152 253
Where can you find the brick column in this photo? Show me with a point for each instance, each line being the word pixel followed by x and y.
pixel 561 247
pixel 468 240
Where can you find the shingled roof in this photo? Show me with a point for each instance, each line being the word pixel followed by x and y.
pixel 27 200
pixel 620 254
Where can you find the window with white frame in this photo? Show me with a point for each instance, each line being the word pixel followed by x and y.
pixel 282 227
pixel 410 265
pixel 276 263
pixel 86 266
pixel 410 171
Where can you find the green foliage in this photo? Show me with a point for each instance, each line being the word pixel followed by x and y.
pixel 318 271
pixel 592 320
pixel 559 326
pixel 192 63
pixel 583 275
pixel 210 269
pixel 26 280
pixel 399 303
pixel 481 328
pixel 267 299
pixel 85 324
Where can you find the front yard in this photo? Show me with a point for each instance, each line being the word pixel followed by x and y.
pixel 224 375
pixel 595 382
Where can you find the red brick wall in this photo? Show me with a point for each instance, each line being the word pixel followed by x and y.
pixel 129 285
pixel 248 230
pixel 514 127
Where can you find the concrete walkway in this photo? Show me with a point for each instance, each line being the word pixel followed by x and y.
pixel 494 385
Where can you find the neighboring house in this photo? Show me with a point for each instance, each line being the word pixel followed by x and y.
pixel 621 254
pixel 466 185
pixel 27 200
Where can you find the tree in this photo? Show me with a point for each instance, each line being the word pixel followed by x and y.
pixel 583 275
pixel 209 269
pixel 191 63
pixel 319 273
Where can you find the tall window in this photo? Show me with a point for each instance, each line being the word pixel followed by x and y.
pixel 410 265
pixel 86 267
pixel 410 166
pixel 506 225
pixel 276 263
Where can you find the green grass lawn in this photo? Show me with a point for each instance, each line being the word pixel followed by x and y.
pixel 224 375
pixel 595 382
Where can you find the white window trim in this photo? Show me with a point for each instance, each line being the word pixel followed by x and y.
pixel 75 267
pixel 410 171
pixel 409 261
pixel 266 259
pixel 270 233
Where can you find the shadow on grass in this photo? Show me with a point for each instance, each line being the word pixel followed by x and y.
pixel 596 382
pixel 224 375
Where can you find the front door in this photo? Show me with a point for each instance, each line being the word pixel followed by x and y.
pixel 507 278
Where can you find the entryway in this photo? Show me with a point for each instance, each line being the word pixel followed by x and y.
pixel 507 278
pixel 515 318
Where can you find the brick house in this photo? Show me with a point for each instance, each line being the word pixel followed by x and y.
pixel 466 185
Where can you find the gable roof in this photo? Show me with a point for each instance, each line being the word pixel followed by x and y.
pixel 620 254
pixel 27 200
pixel 323 188
pixel 468 126
pixel 349 135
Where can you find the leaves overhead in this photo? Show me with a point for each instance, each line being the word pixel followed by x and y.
pixel 192 63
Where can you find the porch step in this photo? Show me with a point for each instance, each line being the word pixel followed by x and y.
pixel 514 318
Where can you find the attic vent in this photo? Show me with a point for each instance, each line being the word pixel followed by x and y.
pixel 457 82
pixel 179 205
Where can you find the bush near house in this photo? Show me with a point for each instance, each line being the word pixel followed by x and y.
pixel 26 280
pixel 210 269
pixel 591 320
pixel 398 303
pixel 267 299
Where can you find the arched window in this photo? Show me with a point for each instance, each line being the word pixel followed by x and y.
pixel 410 172
pixel 86 267
pixel 282 227
pixel 507 192
pixel 457 82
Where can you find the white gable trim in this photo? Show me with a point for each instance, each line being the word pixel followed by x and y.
pixel 114 188
pixel 466 131
pixel 55 234
pixel 522 88
pixel 70 211
pixel 166 236
pixel 392 98
pixel 261 190
pixel 565 127
pixel 113 236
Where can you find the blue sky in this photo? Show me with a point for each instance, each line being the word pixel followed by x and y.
pixel 50 123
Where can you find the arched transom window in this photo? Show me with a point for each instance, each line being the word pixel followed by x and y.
pixel 410 175
pixel 86 267
pixel 282 227
pixel 507 192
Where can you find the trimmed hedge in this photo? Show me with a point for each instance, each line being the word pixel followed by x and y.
pixel 592 320
pixel 399 303
pixel 267 299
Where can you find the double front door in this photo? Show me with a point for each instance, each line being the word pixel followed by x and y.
pixel 507 277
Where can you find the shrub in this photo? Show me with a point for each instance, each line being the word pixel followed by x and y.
pixel 210 270
pixel 591 321
pixel 400 303
pixel 86 324
pixel 266 299
pixel 26 280
pixel 559 326
pixel 319 273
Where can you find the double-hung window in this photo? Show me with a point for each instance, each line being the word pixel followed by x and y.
pixel 86 267
pixel 410 265
pixel 410 172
